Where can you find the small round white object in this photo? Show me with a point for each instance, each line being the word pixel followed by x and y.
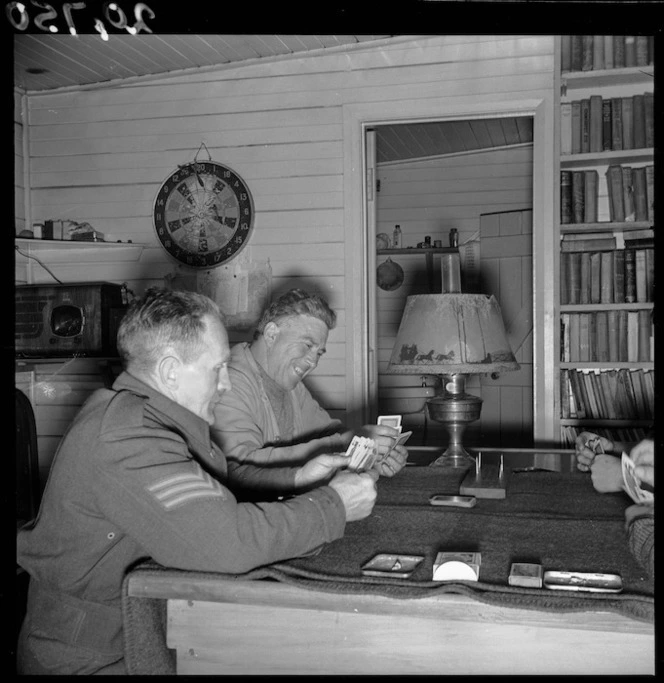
pixel 454 571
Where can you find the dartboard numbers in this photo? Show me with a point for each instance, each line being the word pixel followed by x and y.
pixel 203 214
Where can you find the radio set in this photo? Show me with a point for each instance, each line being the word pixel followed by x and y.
pixel 67 320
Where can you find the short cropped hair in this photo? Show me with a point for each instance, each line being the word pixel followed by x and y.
pixel 293 303
pixel 164 318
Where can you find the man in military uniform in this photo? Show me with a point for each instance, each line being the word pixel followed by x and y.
pixel 136 476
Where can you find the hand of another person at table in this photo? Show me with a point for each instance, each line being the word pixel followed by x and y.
pixel 606 473
pixel 586 450
pixel 643 457
pixel 357 492
pixel 393 462
pixel 319 469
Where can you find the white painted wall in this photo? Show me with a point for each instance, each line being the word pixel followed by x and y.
pixel 100 154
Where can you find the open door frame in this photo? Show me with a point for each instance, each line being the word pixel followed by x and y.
pixel 360 240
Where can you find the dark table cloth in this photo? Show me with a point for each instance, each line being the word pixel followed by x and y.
pixel 553 519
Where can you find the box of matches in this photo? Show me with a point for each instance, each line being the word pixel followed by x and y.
pixel 526 575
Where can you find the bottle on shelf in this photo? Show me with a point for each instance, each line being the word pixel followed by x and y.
pixel 396 237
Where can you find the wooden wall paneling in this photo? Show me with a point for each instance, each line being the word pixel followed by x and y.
pixel 279 125
pixel 506 272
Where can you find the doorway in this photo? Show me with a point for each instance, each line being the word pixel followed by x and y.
pixel 468 176
pixel 360 246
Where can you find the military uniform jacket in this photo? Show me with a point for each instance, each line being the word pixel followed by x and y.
pixel 246 427
pixel 131 481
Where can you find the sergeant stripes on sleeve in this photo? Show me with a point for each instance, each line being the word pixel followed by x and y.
pixel 179 489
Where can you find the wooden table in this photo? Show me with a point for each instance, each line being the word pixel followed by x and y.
pixel 221 626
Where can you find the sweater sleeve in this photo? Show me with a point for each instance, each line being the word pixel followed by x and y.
pixel 641 539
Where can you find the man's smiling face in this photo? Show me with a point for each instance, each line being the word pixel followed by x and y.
pixel 294 347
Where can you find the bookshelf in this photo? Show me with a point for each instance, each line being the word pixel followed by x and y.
pixel 605 335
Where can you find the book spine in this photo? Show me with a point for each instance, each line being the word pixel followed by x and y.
pixel 619 277
pixel 596 124
pixel 577 53
pixel 595 277
pixel 625 104
pixel 587 53
pixel 649 118
pixel 644 335
pixel 566 128
pixel 628 193
pixel 566 53
pixel 622 336
pixel 630 51
pixel 606 277
pixel 641 276
pixel 639 121
pixel 632 336
pixel 630 276
pixel 618 52
pixel 650 192
pixel 639 182
pixel 574 338
pixel 650 274
pixel 608 52
pixel 575 278
pixel 565 197
pixel 612 323
pixel 578 196
pixel 615 190
pixel 592 325
pixel 576 126
pixel 616 124
pixel 564 279
pixel 590 196
pixel 584 339
pixel 584 294
pixel 641 50
pixel 602 340
pixel 585 125
pixel 598 52
pixel 564 337
pixel 607 134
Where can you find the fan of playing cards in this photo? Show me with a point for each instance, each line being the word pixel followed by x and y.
pixel 633 484
pixel 363 454
pixel 363 451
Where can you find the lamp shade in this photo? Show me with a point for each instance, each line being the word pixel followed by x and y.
pixel 447 334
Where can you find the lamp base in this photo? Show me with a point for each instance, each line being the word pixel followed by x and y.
pixel 455 409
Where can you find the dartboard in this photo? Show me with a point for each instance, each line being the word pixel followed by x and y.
pixel 203 214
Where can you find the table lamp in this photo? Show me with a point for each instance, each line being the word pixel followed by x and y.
pixel 452 335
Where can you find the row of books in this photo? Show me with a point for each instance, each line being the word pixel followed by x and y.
pixel 607 394
pixel 625 435
pixel 630 192
pixel 596 124
pixel 607 277
pixel 592 53
pixel 614 336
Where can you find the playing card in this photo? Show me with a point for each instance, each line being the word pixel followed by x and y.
pixel 390 421
pixel 362 453
pixel 402 438
pixel 633 483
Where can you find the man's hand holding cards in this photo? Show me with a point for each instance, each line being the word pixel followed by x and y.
pixel 633 485
pixel 394 421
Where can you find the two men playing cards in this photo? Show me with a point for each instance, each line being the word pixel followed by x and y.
pixel 619 467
